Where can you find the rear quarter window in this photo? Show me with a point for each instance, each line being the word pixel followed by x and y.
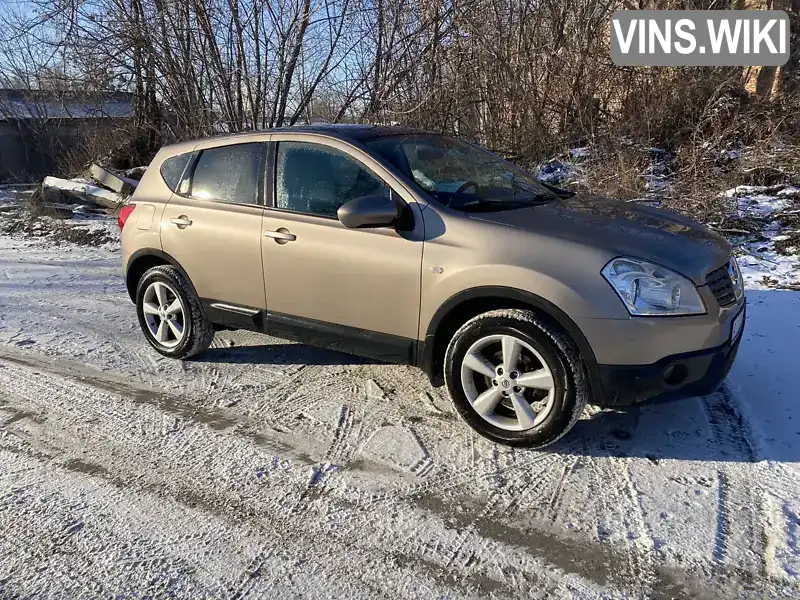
pixel 172 169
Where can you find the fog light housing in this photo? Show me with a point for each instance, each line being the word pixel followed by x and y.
pixel 675 374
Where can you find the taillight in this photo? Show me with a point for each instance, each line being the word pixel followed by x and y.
pixel 124 213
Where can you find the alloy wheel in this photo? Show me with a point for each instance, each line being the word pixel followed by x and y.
pixel 164 314
pixel 508 382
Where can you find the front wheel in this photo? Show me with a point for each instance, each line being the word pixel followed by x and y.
pixel 170 315
pixel 515 378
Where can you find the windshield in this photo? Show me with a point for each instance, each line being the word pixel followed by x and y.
pixel 461 175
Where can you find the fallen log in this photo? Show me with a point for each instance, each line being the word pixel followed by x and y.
pixel 117 183
pixel 85 192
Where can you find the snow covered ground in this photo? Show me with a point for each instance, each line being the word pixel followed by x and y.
pixel 271 469
pixel 763 267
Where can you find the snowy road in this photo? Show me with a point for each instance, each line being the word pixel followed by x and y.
pixel 270 469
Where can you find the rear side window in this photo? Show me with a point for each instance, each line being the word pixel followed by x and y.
pixel 172 169
pixel 228 173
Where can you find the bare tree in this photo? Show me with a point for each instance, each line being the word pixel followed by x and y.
pixel 523 76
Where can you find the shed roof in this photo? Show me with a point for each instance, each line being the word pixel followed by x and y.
pixel 18 104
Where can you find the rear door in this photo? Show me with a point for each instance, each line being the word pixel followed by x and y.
pixel 212 227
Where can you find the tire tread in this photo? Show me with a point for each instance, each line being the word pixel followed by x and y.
pixel 201 331
pixel 565 346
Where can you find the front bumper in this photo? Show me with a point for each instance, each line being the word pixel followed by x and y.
pixel 671 378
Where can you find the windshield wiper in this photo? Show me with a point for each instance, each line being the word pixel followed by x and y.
pixel 557 191
pixel 482 203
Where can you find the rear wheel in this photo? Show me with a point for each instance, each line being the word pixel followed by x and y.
pixel 515 378
pixel 170 315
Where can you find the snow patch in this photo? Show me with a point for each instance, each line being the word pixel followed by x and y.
pixel 556 172
pixel 762 205
pixel 762 265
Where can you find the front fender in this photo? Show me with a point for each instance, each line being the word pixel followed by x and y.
pixel 584 298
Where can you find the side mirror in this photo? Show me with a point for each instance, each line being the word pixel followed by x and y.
pixel 368 211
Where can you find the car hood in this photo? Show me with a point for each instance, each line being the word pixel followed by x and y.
pixel 623 229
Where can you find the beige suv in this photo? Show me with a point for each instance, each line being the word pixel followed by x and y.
pixel 412 247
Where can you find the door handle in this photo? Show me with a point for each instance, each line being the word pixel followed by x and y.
pixel 281 235
pixel 181 222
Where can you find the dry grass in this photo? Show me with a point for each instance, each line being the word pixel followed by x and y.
pixel 618 174
pixel 735 140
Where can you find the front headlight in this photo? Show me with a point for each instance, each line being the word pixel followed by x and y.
pixel 651 290
pixel 736 278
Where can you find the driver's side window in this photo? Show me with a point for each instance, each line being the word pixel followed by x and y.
pixel 317 180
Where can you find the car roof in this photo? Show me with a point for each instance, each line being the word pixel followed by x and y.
pixel 358 132
pixel 342 131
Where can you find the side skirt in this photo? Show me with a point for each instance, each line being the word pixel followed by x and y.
pixel 360 342
pixel 234 316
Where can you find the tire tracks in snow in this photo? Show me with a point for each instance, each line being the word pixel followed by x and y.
pixel 612 485
pixel 740 519
pixel 476 546
pixel 113 426
pixel 261 557
pixel 746 504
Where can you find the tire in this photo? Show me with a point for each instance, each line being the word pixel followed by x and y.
pixel 196 331
pixel 546 357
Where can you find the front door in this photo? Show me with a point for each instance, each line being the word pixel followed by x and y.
pixel 351 289
pixel 212 227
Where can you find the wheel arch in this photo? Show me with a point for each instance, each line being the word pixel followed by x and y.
pixel 461 307
pixel 145 259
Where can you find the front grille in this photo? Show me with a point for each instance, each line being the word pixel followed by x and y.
pixel 720 284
